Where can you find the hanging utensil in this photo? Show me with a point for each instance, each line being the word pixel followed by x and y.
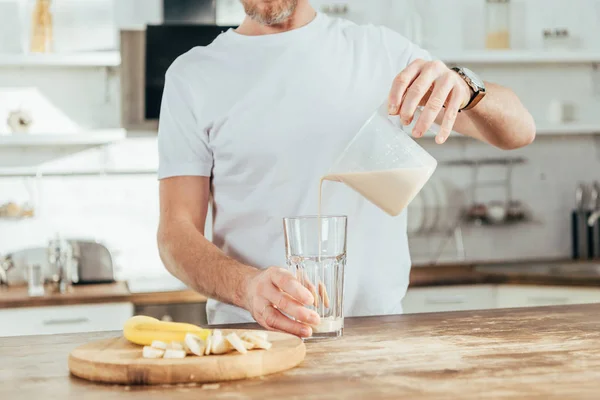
pixel 594 221
pixel 579 224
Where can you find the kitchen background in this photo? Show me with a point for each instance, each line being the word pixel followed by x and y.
pixel 85 176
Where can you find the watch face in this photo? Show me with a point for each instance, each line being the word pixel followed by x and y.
pixel 474 78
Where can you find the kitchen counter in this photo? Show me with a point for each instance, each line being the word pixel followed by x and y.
pixel 544 353
pixel 550 273
pixel 17 296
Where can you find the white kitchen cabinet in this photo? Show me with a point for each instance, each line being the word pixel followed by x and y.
pixel 534 296
pixel 449 298
pixel 64 319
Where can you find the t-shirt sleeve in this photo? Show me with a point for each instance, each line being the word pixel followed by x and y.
pixel 183 145
pixel 401 51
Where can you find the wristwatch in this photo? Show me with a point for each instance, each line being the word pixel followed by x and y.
pixel 475 83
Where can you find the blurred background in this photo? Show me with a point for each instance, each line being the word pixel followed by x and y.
pixel 80 89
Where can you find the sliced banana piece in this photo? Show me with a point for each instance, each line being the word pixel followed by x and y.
pixel 174 353
pixel 157 344
pixel 220 345
pixel 195 345
pixel 261 334
pixel 257 341
pixel 176 346
pixel 208 345
pixel 236 342
pixel 151 352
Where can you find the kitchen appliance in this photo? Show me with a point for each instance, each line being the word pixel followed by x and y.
pixel 85 261
pixel 63 264
pixel 95 263
pixel 164 43
pixel 6 264
pixel 189 11
pixel 117 361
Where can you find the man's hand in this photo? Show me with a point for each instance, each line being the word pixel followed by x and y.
pixel 433 85
pixel 275 291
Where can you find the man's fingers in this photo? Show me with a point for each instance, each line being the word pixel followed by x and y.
pixel 291 306
pixel 275 320
pixel 286 282
pixel 450 115
pixel 401 84
pixel 417 91
pixel 432 109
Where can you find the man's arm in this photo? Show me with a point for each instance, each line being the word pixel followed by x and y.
pixel 185 251
pixel 500 119
pixel 190 257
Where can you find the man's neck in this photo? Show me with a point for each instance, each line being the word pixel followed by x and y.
pixel 303 15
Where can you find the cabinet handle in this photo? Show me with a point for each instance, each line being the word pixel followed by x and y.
pixel 552 300
pixel 81 320
pixel 445 300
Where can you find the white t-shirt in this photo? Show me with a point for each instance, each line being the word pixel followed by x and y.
pixel 266 117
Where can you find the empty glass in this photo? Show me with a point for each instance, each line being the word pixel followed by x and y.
pixel 316 255
pixel 384 164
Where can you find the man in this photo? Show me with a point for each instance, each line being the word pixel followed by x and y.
pixel 251 122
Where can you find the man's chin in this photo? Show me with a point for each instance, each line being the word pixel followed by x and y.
pixel 272 14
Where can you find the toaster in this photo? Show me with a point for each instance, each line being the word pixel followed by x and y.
pixel 95 262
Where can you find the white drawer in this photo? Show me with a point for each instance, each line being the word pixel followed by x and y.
pixel 64 319
pixel 535 296
pixel 449 298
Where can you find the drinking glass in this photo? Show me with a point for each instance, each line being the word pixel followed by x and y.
pixel 316 255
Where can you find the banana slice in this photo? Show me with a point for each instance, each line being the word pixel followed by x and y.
pixel 174 353
pixel 220 345
pixel 257 341
pixel 151 352
pixel 157 344
pixel 176 346
pixel 236 342
pixel 261 334
pixel 194 344
pixel 208 345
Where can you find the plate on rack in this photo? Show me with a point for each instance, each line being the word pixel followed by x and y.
pixel 430 201
pixel 441 223
pixel 415 215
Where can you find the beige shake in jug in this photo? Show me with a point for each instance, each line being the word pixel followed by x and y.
pixel 390 190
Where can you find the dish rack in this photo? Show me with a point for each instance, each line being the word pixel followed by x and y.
pixel 447 238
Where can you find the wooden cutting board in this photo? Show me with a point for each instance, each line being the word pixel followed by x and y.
pixel 119 361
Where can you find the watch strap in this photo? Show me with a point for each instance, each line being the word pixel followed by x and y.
pixel 478 92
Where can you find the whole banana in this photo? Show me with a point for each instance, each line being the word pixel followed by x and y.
pixel 144 330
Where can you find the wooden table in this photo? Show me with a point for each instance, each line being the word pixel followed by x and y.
pixel 535 353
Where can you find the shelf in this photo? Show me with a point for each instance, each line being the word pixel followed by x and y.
pixel 574 129
pixel 91 138
pixel 568 129
pixel 88 59
pixel 32 172
pixel 518 57
pixel 28 150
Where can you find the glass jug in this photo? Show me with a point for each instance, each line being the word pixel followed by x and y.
pixel 384 164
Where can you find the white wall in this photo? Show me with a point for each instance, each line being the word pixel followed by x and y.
pixel 123 210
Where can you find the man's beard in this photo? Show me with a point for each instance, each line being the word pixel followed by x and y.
pixel 271 12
